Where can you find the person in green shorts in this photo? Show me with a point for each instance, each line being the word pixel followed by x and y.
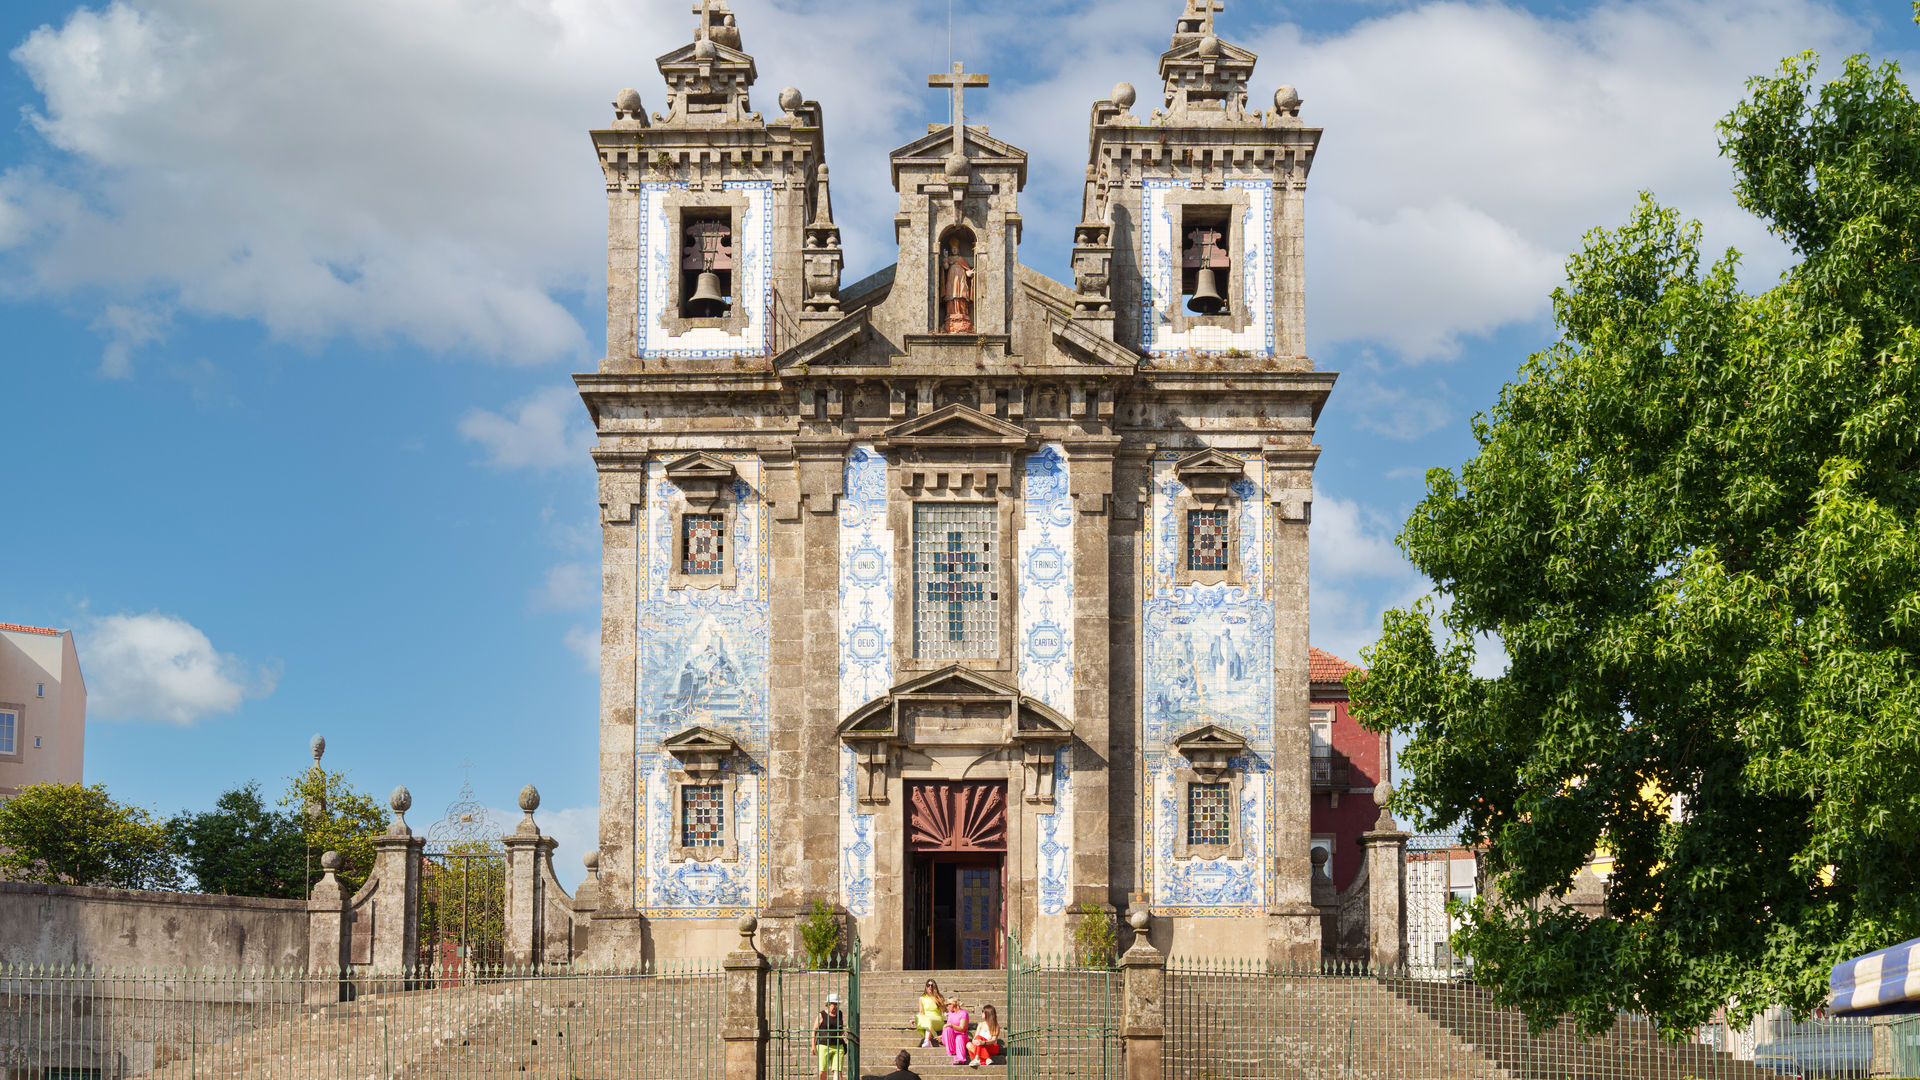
pixel 830 1040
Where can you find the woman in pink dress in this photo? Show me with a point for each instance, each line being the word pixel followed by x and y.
pixel 954 1035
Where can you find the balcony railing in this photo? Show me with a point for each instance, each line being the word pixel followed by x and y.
pixel 1330 772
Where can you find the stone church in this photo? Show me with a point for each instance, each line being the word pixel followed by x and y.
pixel 956 597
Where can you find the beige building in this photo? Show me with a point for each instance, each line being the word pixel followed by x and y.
pixel 43 708
pixel 957 597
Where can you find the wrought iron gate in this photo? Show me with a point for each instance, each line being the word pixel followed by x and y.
pixel 463 894
pixel 1062 1017
pixel 796 995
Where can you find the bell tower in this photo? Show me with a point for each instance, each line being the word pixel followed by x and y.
pixel 720 227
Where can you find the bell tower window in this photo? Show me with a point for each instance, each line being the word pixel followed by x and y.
pixel 1204 263
pixel 706 264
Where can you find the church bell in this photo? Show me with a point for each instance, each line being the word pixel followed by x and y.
pixel 707 302
pixel 1206 299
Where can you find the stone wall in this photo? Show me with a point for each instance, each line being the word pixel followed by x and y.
pixel 58 924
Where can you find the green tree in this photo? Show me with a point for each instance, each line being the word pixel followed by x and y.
pixel 1692 524
pixel 241 847
pixel 69 834
pixel 348 824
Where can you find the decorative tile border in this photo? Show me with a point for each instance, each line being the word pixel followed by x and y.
pixel 701 659
pixel 1045 644
pixel 866 646
pixel 752 275
pixel 1160 291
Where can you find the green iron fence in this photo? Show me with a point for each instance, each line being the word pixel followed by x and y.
pixel 1062 1016
pixel 1242 1020
pixel 93 1024
pixel 796 995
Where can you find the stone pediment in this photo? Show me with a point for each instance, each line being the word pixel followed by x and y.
pixel 954 425
pixel 700 750
pixel 1225 52
pixel 1209 473
pixel 983 150
pixel 701 477
pixel 955 706
pixel 688 55
pixel 1211 748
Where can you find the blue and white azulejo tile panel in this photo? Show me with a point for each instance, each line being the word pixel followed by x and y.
pixel 1160 288
pixel 660 246
pixel 1207 652
pixel 866 646
pixel 1045 645
pixel 701 660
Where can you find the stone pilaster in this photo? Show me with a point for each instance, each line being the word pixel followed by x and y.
pixel 1090 479
pixel 327 934
pixel 1386 848
pixel 1143 977
pixel 619 930
pixel 745 1029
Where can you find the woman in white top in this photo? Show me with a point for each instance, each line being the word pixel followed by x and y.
pixel 986 1039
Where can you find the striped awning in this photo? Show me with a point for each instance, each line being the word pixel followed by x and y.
pixel 1874 981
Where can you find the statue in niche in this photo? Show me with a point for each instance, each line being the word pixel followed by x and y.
pixel 956 284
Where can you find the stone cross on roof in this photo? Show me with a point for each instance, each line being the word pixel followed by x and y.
pixel 1207 8
pixel 958 82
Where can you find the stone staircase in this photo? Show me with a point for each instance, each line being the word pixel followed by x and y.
pixel 1632 1050
pixel 889 1001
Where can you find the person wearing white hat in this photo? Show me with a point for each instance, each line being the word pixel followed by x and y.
pixel 830 1040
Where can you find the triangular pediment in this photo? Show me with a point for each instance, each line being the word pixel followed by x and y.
pixel 1189 51
pixel 935 145
pixel 954 681
pixel 699 738
pixel 723 56
pixel 1211 737
pixel 699 466
pixel 958 422
pixel 1038 720
pixel 1210 461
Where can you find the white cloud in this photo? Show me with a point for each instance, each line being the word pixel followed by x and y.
pixel 585 643
pixel 161 667
pixel 1355 573
pixel 126 329
pixel 569 586
pixel 546 431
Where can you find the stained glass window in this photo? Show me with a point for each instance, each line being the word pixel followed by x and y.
pixel 1207 809
pixel 703 815
pixel 1206 539
pixel 956 611
pixel 703 544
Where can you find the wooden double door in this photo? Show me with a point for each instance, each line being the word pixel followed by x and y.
pixel 956 873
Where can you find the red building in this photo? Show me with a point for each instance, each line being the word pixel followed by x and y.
pixel 1348 761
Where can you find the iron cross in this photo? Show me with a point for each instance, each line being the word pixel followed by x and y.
pixel 958 83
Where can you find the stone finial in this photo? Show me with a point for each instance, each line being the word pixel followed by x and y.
pixel 1383 798
pixel 748 925
pixel 956 166
pixel 705 49
pixel 1138 918
pixel 627 101
pixel 591 860
pixel 529 798
pixel 1209 46
pixel 400 801
pixel 1286 101
pixel 1124 96
pixel 319 746
pixel 790 100
pixel 1318 857
pixel 331 862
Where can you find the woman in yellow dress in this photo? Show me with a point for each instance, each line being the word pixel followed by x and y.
pixel 932 1017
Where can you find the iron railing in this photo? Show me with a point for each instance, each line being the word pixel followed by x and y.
pixel 1062 1016
pixel 796 994
pixel 1240 1020
pixel 95 1024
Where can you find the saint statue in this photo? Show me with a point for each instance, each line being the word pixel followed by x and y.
pixel 956 290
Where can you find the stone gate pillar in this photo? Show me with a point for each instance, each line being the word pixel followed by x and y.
pixel 394 891
pixel 327 933
pixel 1386 848
pixel 526 900
pixel 745 1029
pixel 1143 977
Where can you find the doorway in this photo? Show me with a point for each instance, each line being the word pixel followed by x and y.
pixel 956 874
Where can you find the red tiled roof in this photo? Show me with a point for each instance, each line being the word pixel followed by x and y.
pixel 30 629
pixel 1324 667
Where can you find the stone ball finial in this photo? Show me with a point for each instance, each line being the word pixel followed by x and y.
pixel 1318 857
pixel 1209 46
pixel 1287 100
pixel 790 99
pixel 591 860
pixel 331 862
pixel 318 744
pixel 704 49
pixel 529 798
pixel 1138 918
pixel 956 166
pixel 628 101
pixel 1383 796
pixel 1124 95
pixel 748 924
pixel 401 800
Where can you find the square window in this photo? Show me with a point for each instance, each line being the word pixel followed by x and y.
pixel 703 544
pixel 1206 540
pixel 9 724
pixel 703 816
pixel 1320 738
pixel 956 592
pixel 1207 822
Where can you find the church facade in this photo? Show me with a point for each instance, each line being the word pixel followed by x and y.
pixel 958 598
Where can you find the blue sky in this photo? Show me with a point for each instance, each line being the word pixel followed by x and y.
pixel 289 295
